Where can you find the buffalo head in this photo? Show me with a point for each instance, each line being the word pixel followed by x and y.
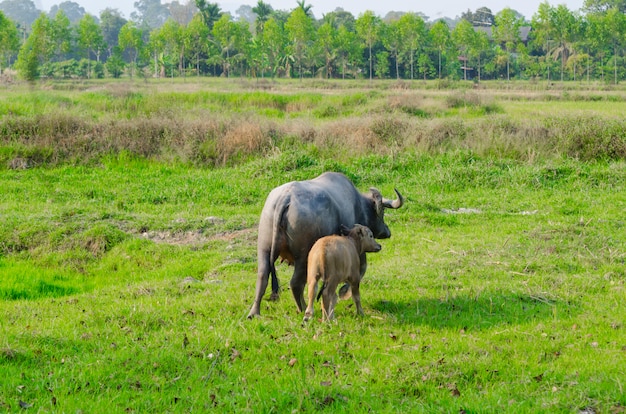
pixel 377 219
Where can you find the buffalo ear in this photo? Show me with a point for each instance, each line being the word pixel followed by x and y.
pixel 377 198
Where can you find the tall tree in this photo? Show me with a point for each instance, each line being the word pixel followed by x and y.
pixel 171 39
pixel 111 21
pixel 413 33
pixel 327 43
pixel 506 33
pixel 263 12
pixel 339 17
pixel 210 12
pixel 564 29
pixel 464 37
pixel 481 17
pixel 300 31
pixel 306 8
pixel 155 46
pixel 391 38
pixel 480 45
pixel 602 6
pixel 150 13
pixel 274 45
pixel 9 40
pixel 196 35
pixel 542 31
pixel 36 50
pixel 348 49
pixel 608 29
pixel 233 38
pixel 367 29
pixel 90 39
pixel 440 35
pixel 72 10
pixel 131 40
pixel 245 13
pixel 61 36
pixel 182 13
pixel 23 12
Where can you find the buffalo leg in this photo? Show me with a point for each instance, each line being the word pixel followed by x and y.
pixel 275 286
pixel 261 285
pixel 298 281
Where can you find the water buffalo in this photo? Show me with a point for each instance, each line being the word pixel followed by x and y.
pixel 336 259
pixel 298 213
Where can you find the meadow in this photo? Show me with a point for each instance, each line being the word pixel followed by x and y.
pixel 128 214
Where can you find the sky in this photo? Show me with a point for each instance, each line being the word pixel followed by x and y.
pixel 433 9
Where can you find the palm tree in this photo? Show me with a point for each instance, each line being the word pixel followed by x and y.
pixel 210 12
pixel 306 8
pixel 263 12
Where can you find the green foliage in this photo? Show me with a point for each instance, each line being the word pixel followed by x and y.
pixel 9 40
pixel 115 64
pixel 162 42
pixel 381 68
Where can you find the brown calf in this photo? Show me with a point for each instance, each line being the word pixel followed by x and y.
pixel 337 259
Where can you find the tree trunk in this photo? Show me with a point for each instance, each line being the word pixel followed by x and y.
pixel 439 63
pixel 370 49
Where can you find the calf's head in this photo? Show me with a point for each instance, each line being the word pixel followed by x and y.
pixel 365 239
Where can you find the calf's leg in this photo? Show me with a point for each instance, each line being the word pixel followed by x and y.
pixel 329 300
pixel 356 297
pixel 312 285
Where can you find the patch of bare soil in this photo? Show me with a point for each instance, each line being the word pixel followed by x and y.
pixel 195 237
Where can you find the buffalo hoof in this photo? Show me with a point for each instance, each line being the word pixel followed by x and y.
pixel 345 292
pixel 274 297
pixel 253 313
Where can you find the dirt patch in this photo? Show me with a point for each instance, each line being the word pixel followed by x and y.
pixel 195 237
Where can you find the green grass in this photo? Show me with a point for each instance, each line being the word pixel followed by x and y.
pixel 125 288
pixel 128 215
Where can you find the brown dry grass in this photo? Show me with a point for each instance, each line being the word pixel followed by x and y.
pixel 51 139
pixel 384 121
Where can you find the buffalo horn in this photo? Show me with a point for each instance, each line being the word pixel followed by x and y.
pixel 397 203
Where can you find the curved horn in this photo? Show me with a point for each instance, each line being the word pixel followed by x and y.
pixel 397 203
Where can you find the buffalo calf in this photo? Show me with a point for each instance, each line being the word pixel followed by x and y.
pixel 335 260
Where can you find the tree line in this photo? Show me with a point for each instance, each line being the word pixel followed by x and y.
pixel 198 39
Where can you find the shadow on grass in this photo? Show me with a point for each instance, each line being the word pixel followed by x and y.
pixel 486 311
pixel 39 289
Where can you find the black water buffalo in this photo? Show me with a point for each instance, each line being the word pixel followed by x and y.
pixel 298 213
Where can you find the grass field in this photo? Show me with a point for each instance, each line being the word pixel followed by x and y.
pixel 126 274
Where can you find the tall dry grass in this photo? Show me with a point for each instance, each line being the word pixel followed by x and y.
pixel 211 128
pixel 52 140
